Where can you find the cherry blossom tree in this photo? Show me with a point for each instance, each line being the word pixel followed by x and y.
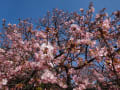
pixel 62 51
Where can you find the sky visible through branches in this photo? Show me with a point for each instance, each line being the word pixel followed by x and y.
pixel 14 9
pixel 73 46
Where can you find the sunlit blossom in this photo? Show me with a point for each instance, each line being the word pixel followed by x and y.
pixel 74 27
pixel 2 50
pixel 4 81
pixel 106 24
pixel 102 52
pixel 47 50
pixel 48 76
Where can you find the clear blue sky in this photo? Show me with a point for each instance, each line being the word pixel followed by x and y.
pixel 12 9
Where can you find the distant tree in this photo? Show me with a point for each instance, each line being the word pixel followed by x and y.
pixel 63 51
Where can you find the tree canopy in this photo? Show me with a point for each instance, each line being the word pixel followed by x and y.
pixel 62 51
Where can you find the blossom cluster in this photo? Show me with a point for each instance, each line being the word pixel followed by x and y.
pixel 70 51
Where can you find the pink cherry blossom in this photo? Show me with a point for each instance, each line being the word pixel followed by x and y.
pixel 106 24
pixel 4 81
pixel 71 51
pixel 74 27
pixel 48 76
pixel 46 50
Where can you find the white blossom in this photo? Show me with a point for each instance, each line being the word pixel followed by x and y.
pixel 47 50
pixel 2 50
pixel 74 27
pixel 4 81
pixel 106 24
pixel 102 52
pixel 48 76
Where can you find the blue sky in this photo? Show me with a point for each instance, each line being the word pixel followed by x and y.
pixel 13 9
